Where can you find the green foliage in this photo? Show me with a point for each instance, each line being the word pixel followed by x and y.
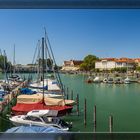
pixel 122 70
pixel 83 66
pixel 89 62
pixel 138 68
pixel 7 64
pixel 50 63
pixel 47 62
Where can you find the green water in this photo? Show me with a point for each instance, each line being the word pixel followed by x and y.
pixel 121 101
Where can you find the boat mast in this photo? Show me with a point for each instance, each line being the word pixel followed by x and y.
pixel 51 54
pixel 43 65
pixel 4 65
pixel 14 61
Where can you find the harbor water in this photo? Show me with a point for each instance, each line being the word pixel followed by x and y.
pixel 122 101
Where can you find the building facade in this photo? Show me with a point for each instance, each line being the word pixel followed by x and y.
pixel 137 61
pixel 111 63
pixel 72 65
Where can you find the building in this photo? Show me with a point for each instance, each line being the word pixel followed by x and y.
pixel 111 63
pixel 26 68
pixel 137 61
pixel 72 65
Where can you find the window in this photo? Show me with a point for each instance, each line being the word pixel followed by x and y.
pixel 32 118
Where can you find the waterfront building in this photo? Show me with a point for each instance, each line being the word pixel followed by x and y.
pixel 71 65
pixel 137 61
pixel 111 63
pixel 25 68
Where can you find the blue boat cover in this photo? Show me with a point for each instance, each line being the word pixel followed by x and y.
pixel 34 129
pixel 2 92
pixel 46 87
pixel 54 82
pixel 27 91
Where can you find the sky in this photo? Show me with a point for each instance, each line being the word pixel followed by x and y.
pixel 73 33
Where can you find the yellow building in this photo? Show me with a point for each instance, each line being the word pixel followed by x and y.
pixel 72 65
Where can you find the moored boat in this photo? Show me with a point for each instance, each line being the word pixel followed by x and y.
pixel 89 80
pixel 22 108
pixel 40 120
pixel 34 129
pixel 26 103
pixel 118 81
pixel 105 80
pixel 96 80
pixel 127 81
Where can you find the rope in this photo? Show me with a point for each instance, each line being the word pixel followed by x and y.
pixel 34 56
pixel 57 76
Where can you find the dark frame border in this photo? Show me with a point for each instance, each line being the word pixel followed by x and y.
pixel 69 4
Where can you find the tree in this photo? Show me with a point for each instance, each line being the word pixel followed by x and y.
pixel 47 62
pixel 3 59
pixel 138 68
pixel 122 70
pixel 89 62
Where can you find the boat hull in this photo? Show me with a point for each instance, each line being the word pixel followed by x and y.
pixel 28 123
pixel 22 109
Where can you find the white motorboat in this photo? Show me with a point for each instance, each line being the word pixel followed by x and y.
pixel 97 80
pixel 110 80
pixel 105 80
pixel 118 80
pixel 36 118
pixel 127 81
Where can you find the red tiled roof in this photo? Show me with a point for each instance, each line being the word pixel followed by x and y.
pixel 123 59
pixel 77 62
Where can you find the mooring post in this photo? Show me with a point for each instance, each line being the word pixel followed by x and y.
pixel 94 118
pixel 72 95
pixel 64 90
pixel 77 100
pixel 110 123
pixel 85 113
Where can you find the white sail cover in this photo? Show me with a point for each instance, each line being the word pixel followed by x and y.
pixel 52 85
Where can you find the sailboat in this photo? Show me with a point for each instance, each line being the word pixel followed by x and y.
pixel 14 78
pixel 44 103
pixel 127 80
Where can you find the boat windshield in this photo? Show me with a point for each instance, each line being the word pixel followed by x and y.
pixel 47 119
pixel 33 118
pixel 51 120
